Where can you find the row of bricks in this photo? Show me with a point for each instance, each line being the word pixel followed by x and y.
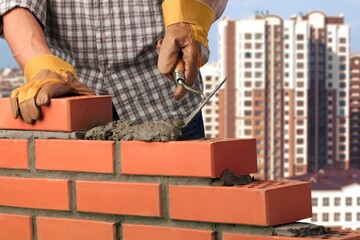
pixel 259 203
pixel 207 158
pixel 17 227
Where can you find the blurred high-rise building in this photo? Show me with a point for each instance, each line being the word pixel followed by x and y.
pixel 355 111
pixel 210 74
pixel 288 87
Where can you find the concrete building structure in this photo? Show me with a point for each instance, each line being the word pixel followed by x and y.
pixel 355 111
pixel 335 198
pixel 288 87
pixel 210 74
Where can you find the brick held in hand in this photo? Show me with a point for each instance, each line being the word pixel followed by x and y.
pixel 63 114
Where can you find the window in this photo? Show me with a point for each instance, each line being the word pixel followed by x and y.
pixel 358 201
pixel 258 35
pixel 314 202
pixel 248 65
pixel 314 217
pixel 248 46
pixel 358 216
pixel 325 217
pixel 337 201
pixel 300 75
pixel 247 132
pixel 299 37
pixel 348 216
pixel 348 201
pixel 336 217
pixel 300 84
pixel 258 45
pixel 258 74
pixel 248 103
pixel 248 36
pixel 299 94
pixel 325 201
pixel 247 113
pixel 248 93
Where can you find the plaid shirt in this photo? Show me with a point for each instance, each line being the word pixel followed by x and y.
pixel 112 45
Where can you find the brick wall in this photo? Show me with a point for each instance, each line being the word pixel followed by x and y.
pixel 56 189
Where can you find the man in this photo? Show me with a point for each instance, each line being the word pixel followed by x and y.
pixel 110 47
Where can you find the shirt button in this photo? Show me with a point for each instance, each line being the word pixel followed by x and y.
pixel 107 72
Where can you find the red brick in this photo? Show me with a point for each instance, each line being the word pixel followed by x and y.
pixel 34 193
pixel 145 232
pixel 75 155
pixel 15 227
pixel 73 229
pixel 142 199
pixel 342 235
pixel 14 154
pixel 264 203
pixel 207 158
pixel 63 114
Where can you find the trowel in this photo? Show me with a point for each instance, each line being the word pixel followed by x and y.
pixel 180 80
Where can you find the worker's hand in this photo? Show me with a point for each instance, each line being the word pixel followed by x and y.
pixel 187 23
pixel 47 76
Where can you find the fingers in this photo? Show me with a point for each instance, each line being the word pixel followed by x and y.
pixel 14 103
pixel 29 111
pixel 23 103
pixel 168 56
pixel 190 58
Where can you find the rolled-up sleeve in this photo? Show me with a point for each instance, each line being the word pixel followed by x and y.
pixel 217 5
pixel 37 7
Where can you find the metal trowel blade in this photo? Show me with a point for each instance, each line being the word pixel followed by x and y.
pixel 201 105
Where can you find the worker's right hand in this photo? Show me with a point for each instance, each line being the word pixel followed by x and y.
pixel 187 23
pixel 47 77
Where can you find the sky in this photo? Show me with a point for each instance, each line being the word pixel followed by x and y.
pixel 244 9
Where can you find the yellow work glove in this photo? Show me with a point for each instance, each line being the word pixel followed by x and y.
pixel 47 76
pixel 187 23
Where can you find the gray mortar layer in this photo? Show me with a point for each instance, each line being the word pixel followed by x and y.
pixel 161 131
pixel 16 134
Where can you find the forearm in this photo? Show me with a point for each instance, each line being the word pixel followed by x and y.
pixel 24 35
pixel 217 5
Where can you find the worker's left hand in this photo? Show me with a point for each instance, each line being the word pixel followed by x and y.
pixel 187 23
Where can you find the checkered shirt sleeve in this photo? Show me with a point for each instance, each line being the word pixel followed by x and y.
pixel 38 8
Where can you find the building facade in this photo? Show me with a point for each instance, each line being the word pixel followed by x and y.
pixel 288 87
pixel 210 74
pixel 355 111
pixel 335 198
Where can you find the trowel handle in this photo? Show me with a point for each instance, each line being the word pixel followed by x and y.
pixel 179 71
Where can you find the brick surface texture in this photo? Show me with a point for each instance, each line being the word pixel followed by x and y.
pixel 52 189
